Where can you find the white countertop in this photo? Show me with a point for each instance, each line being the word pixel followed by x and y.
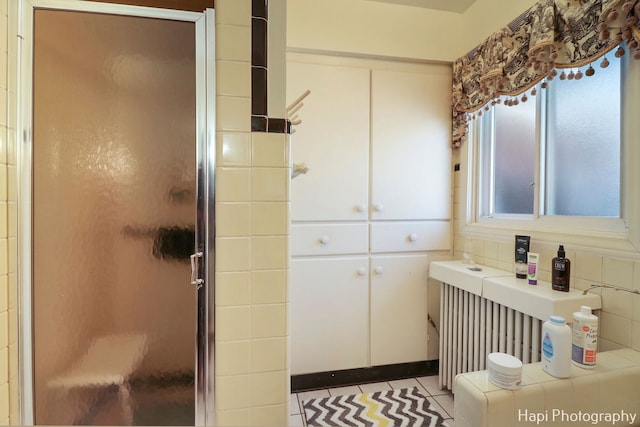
pixel 462 275
pixel 539 301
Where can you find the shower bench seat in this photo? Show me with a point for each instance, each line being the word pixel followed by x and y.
pixel 610 389
pixel 109 361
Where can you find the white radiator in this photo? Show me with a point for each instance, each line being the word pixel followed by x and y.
pixel 471 327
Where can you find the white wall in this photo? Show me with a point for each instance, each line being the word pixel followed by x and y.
pixel 372 28
pixel 484 17
pixel 381 29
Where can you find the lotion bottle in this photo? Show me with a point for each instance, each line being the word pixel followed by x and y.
pixel 556 347
pixel 560 271
pixel 585 338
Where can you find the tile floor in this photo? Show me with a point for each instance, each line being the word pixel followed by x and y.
pixel 441 400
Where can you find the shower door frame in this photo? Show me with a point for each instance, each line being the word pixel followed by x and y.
pixel 205 166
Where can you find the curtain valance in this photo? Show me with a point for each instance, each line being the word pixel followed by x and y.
pixel 552 34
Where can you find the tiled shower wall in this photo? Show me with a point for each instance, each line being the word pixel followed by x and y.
pixel 620 315
pixel 8 216
pixel 252 227
pixel 252 202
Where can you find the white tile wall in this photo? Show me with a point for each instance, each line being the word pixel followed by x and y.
pixel 233 289
pixel 252 253
pixel 233 254
pixel 233 114
pixel 635 335
pixel 233 42
pixel 269 388
pixel 620 303
pixel 233 357
pixel 269 252
pixel 269 218
pixel 238 417
pixel 617 272
pixel 233 184
pixel 234 148
pixel 588 266
pixel 233 12
pixel 234 219
pixel 269 149
pixel 615 328
pixel 269 286
pixel 232 77
pixel 269 354
pixel 232 392
pixel 8 218
pixel 270 184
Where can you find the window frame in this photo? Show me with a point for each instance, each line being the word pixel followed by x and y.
pixel 607 235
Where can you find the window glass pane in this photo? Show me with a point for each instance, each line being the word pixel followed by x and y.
pixel 583 153
pixel 514 158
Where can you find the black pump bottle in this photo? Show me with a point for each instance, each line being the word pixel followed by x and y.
pixel 560 271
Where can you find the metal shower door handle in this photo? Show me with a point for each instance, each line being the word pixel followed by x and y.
pixel 195 268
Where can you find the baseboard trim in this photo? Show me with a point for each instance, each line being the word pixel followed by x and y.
pixel 347 377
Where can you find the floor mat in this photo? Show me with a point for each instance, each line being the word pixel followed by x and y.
pixel 392 408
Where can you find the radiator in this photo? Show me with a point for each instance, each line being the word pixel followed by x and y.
pixel 471 327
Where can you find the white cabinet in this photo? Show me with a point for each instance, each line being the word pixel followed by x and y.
pixel 329 314
pixel 399 123
pixel 410 153
pixel 333 141
pixel 399 318
pixel 375 203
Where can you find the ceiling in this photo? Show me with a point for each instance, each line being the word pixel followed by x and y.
pixel 458 6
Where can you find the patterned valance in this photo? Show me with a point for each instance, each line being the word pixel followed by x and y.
pixel 551 35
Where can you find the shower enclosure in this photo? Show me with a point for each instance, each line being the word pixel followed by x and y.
pixel 116 201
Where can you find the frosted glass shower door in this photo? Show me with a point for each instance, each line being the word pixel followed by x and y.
pixel 114 214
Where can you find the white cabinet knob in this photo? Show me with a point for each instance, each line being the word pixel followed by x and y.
pixel 324 240
pixel 413 237
pixel 361 208
pixel 379 269
pixel 362 271
pixel 378 208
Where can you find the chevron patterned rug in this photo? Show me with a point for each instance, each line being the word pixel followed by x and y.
pixel 393 408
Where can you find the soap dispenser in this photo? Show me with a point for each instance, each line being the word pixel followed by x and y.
pixel 560 271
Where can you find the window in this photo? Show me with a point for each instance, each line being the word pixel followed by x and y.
pixel 507 165
pixel 561 166
pixel 582 173
pixel 558 154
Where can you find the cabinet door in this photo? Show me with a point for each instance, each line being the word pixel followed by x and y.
pixel 399 310
pixel 329 314
pixel 411 134
pixel 333 141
